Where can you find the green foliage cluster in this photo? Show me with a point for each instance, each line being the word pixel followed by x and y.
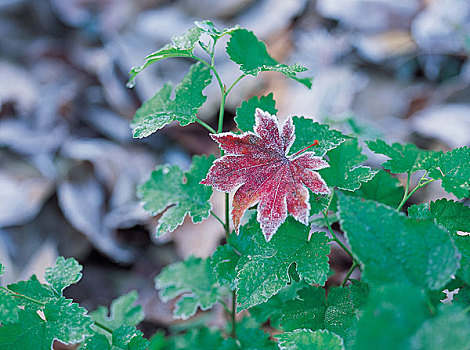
pixel 407 259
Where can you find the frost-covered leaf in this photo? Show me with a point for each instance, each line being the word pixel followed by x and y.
pixel 345 171
pixel 224 262
pixel 182 45
pixel 391 317
pixel 180 192
pixel 129 338
pixel 257 166
pixel 161 109
pixel 337 313
pixel 272 309
pixel 393 247
pixel 453 168
pixel 381 188
pixel 8 309
pixel 404 158
pixel 306 339
pixel 123 311
pixel 64 273
pixel 455 217
pixel 266 272
pixel 245 115
pixel 194 280
pixel 448 330
pixel 249 338
pixel 2 269
pixel 60 319
pixel 34 289
pixel 197 339
pixel 247 51
pixel 96 342
pixel 308 130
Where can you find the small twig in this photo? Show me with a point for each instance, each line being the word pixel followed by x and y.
pixel 346 278
pixel 207 126
pixel 218 219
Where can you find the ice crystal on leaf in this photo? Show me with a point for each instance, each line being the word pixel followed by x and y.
pixel 257 165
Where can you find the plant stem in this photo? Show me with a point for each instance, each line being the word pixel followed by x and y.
pixel 207 126
pixel 235 83
pixel 218 219
pixel 346 278
pixel 341 244
pixel 418 186
pixel 227 216
pixel 221 111
pixel 233 314
pixel 406 192
pixel 102 326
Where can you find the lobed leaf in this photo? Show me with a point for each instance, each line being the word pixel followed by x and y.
pixel 97 341
pixel 306 339
pixel 454 217
pixel 393 247
pixel 251 55
pixel 60 319
pixel 308 130
pixel 403 158
pixel 181 193
pixel 9 308
pixel 182 45
pixel 64 273
pixel 249 338
pixel 161 109
pixel 194 280
pixel 453 169
pixel 266 271
pixel 129 338
pixel 345 171
pixel 245 114
pixel 123 311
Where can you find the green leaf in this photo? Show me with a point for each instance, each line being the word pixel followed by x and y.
pixel 96 342
pixel 8 309
pixel 181 46
pixel 305 339
pixel 247 51
pixel 209 28
pixel 391 317
pixel 224 263
pixel 381 188
pixel 182 193
pixel 345 171
pixel 453 168
pixel 404 158
pixel 198 339
pixel 249 338
pixel 64 273
pixel 2 269
pixel 272 309
pixel 123 311
pixel 448 330
pixel 393 247
pixel 463 296
pixel 337 313
pixel 161 110
pixel 194 280
pixel 61 319
pixel 129 338
pixel 454 217
pixel 34 289
pixel 245 115
pixel 266 272
pixel 307 131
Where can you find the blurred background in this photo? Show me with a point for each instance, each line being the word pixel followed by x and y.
pixel 398 70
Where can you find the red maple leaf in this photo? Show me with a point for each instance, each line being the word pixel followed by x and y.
pixel 257 164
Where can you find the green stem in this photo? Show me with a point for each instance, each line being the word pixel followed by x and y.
pixel 406 192
pixel 346 278
pixel 207 126
pixel 233 314
pixel 235 83
pixel 102 326
pixel 221 111
pixel 420 184
pixel 341 244
pixel 218 219
pixel 227 216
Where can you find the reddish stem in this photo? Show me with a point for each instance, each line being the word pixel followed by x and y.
pixel 315 143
